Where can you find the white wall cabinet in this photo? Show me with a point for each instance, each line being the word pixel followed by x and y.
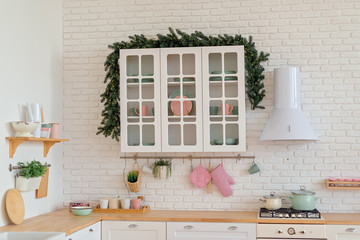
pixel 92 232
pixel 130 230
pixel 206 231
pixel 343 232
pixel 166 95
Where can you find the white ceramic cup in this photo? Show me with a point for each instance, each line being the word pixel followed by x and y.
pixel 104 203
pixel 146 169
pixel 125 203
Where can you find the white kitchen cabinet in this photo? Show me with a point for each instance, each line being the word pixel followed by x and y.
pixel 172 90
pixel 92 232
pixel 206 231
pixel 343 232
pixel 130 230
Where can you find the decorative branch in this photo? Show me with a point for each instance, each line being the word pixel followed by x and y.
pixel 110 124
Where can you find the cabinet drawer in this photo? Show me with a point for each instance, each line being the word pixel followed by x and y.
pixel 203 231
pixel 133 230
pixel 343 232
pixel 92 232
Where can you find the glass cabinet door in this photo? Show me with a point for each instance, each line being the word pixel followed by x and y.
pixel 181 99
pixel 140 100
pixel 224 99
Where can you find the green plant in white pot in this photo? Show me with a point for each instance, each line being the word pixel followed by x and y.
pixel 30 175
pixel 161 169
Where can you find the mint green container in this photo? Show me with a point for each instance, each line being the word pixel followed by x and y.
pixel 303 200
pixel 81 211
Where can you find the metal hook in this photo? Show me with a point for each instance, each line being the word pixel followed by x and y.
pixel 192 168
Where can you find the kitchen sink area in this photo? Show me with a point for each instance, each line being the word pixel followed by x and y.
pixel 32 236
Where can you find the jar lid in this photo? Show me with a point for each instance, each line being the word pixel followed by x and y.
pixel 272 195
pixel 302 191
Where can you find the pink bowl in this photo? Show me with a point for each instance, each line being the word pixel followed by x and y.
pixel 332 179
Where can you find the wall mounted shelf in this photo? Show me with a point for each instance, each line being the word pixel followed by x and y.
pixel 14 142
pixel 348 185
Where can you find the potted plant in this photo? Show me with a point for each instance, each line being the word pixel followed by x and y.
pixel 30 175
pixel 134 179
pixel 161 169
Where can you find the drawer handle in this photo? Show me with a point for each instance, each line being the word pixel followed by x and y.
pixel 188 227
pixel 91 230
pixel 132 226
pixel 350 230
pixel 232 228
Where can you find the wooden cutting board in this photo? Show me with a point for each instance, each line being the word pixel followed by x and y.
pixel 43 188
pixel 15 207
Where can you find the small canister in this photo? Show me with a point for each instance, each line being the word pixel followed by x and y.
pixel 55 127
pixel 45 130
pixel 114 203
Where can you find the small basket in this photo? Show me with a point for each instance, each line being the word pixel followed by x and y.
pixel 135 187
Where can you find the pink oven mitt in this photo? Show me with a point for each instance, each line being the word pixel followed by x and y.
pixel 222 180
pixel 200 177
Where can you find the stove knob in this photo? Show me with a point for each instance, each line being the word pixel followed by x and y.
pixel 280 231
pixel 293 215
pixel 281 215
pixel 299 215
pixel 303 231
pixel 286 215
pixel 291 231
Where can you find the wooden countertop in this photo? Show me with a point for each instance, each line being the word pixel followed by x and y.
pixel 64 221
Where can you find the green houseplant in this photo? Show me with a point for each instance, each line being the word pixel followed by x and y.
pixel 161 169
pixel 134 179
pixel 30 175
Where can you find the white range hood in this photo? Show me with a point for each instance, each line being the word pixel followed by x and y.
pixel 287 122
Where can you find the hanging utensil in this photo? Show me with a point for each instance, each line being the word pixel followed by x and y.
pixel 209 186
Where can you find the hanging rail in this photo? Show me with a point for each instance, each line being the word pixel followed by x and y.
pixel 11 167
pixel 190 157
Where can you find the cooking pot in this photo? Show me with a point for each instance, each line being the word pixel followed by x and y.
pixel 303 200
pixel 272 202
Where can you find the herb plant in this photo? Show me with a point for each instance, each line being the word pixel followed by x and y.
pixel 156 168
pixel 32 169
pixel 132 176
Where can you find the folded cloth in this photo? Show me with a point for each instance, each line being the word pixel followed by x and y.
pixel 222 180
pixel 200 177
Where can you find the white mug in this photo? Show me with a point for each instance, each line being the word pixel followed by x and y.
pixel 104 203
pixel 146 169
pixel 125 203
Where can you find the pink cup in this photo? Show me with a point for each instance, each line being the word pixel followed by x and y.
pixel 228 109
pixel 54 133
pixel 136 203
pixel 144 109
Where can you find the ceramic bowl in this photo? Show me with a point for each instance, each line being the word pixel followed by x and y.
pixel 24 129
pixel 230 72
pixel 81 211
pixel 232 141
pixel 216 72
pixel 148 144
pixel 218 142
pixel 146 80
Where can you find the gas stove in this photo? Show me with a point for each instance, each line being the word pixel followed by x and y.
pixel 289 213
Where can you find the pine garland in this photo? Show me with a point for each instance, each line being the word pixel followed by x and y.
pixel 110 124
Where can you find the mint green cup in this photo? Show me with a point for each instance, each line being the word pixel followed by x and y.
pixel 214 110
pixel 235 110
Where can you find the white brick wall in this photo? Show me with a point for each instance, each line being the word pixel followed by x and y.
pixel 320 36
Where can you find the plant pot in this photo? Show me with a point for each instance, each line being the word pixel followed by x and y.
pixel 135 187
pixel 163 172
pixel 25 185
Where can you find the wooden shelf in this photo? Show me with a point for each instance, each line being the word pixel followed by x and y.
pixel 343 185
pixel 14 142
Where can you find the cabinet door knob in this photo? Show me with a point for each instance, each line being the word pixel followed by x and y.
pixel 280 231
pixel 70 239
pixel 132 226
pixel 91 230
pixel 188 227
pixel 350 230
pixel 232 228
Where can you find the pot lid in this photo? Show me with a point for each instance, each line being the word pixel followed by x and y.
pixel 272 195
pixel 302 191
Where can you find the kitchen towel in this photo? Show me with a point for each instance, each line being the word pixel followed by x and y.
pixel 200 177
pixel 222 180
